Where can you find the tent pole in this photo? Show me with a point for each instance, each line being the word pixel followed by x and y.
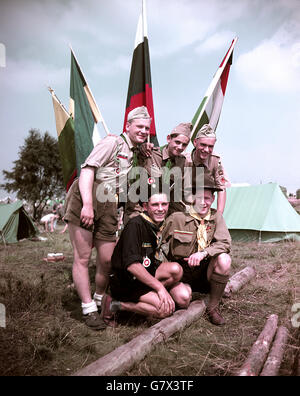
pixel 259 239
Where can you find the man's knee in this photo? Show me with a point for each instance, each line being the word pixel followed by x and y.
pixel 223 263
pixel 185 296
pixel 182 295
pixel 176 271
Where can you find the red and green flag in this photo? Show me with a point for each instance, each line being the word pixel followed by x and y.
pixel 140 86
pixel 66 140
pixel 85 112
pixel 210 108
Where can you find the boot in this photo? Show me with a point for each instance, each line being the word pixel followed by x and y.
pixel 217 286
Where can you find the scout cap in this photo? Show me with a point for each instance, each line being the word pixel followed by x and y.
pixel 138 112
pixel 183 129
pixel 206 131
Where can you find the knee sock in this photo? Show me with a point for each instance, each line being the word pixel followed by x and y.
pixel 217 286
pixel 89 307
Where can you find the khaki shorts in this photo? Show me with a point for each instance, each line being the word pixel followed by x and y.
pixel 105 214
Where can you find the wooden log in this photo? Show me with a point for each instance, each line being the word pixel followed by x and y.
pixel 273 362
pixel 122 358
pixel 260 349
pixel 238 280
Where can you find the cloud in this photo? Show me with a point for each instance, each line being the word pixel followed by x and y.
pixel 110 67
pixel 216 41
pixel 29 76
pixel 274 65
pixel 181 23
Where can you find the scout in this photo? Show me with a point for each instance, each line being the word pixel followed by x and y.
pixel 91 209
pixel 200 242
pixel 159 161
pixel 140 282
pixel 203 156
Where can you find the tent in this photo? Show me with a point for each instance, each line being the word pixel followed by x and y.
pixel 15 223
pixel 260 213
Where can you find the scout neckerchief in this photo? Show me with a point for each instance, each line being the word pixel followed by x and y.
pixel 157 231
pixel 132 177
pixel 169 164
pixel 134 150
pixel 201 231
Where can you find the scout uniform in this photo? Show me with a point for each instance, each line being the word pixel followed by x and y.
pixel 138 243
pixel 186 233
pixel 113 157
pixel 159 164
pixel 212 166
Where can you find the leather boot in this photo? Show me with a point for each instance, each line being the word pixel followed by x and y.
pixel 217 286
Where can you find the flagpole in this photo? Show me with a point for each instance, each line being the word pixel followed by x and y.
pixel 101 118
pixel 214 82
pixel 54 96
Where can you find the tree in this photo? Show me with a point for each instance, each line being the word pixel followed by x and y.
pixel 36 175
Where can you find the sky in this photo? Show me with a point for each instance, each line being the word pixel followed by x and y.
pixel 258 135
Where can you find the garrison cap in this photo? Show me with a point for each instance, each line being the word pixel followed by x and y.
pixel 138 112
pixel 183 129
pixel 206 131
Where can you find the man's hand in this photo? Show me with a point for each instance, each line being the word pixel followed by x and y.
pixel 195 259
pixel 146 149
pixel 167 304
pixel 87 216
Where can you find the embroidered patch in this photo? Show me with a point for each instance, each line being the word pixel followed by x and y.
pixel 146 245
pixel 122 156
pixel 184 232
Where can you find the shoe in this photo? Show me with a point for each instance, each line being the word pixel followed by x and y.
pixel 107 315
pixel 94 321
pixel 215 316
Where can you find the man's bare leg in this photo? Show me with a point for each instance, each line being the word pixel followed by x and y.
pixel 82 242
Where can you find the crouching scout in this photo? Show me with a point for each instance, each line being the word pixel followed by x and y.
pixel 139 282
pixel 200 242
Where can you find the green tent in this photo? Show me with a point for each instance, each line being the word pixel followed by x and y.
pixel 260 213
pixel 15 223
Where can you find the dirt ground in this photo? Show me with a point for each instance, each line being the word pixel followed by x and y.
pixel 44 333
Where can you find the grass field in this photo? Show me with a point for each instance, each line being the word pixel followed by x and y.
pixel 44 334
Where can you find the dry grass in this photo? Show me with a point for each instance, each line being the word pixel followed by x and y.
pixel 45 335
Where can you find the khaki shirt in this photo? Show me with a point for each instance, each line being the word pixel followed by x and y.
pixel 179 237
pixel 159 159
pixel 112 157
pixel 213 166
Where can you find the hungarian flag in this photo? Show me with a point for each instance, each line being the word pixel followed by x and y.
pixel 140 87
pixel 85 112
pixel 66 140
pixel 210 108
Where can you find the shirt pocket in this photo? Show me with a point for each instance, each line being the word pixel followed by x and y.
pixel 182 243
